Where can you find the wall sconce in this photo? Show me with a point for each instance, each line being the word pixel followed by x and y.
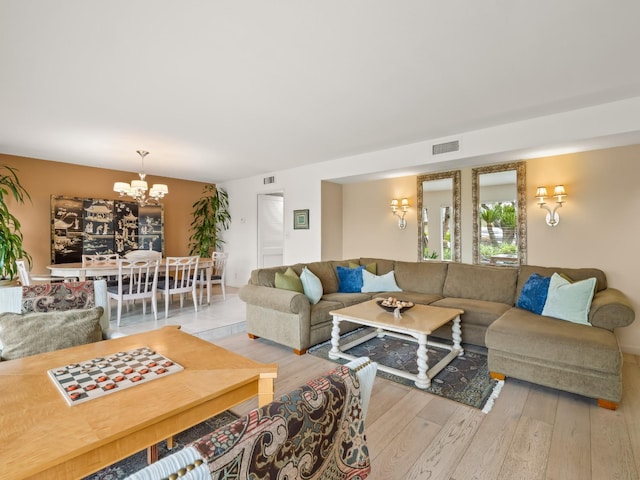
pixel 403 206
pixel 558 193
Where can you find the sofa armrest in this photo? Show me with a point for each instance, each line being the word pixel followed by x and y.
pixel 611 309
pixel 276 299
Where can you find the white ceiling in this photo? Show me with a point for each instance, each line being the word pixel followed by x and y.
pixel 222 90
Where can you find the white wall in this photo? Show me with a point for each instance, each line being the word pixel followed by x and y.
pixel 588 219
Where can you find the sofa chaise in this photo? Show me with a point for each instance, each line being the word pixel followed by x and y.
pixel 580 358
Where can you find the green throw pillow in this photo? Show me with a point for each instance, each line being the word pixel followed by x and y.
pixel 569 301
pixel 289 280
pixel 371 267
pixel 27 334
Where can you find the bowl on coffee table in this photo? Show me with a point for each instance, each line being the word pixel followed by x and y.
pixel 391 304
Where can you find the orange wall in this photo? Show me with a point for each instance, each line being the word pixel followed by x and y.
pixel 44 178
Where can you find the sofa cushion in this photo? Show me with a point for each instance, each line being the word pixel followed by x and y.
pixel 534 293
pixel 347 299
pixel 327 275
pixel 481 282
pixel 289 280
pixel 382 265
pixel 369 267
pixel 476 312
pixel 421 277
pixel 349 279
pixel 569 301
pixel 27 334
pixel 311 284
pixel 379 283
pixel 530 335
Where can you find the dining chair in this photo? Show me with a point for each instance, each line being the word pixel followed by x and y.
pixel 180 278
pixel 218 269
pixel 101 260
pixel 26 279
pixel 143 254
pixel 137 280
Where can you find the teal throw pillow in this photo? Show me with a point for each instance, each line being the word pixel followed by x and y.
pixel 379 283
pixel 311 285
pixel 350 279
pixel 569 301
pixel 534 293
pixel 289 280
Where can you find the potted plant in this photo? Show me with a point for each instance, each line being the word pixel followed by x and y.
pixel 10 235
pixel 210 216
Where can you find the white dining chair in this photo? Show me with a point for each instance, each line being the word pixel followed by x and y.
pixel 180 278
pixel 141 254
pixel 218 270
pixel 137 280
pixel 26 279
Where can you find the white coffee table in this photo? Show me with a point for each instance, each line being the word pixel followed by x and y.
pixel 415 324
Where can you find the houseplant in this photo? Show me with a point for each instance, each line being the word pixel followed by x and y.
pixel 210 216
pixel 10 235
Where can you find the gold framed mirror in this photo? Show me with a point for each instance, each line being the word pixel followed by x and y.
pixel 438 210
pixel 499 214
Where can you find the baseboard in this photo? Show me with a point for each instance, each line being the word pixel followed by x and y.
pixel 632 349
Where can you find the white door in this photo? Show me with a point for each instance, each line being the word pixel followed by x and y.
pixel 270 229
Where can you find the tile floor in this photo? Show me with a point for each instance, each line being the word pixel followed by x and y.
pixel 219 319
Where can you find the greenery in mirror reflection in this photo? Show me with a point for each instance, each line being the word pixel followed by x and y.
pixel 498 230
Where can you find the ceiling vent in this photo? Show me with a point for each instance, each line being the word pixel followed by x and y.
pixel 269 180
pixel 446 147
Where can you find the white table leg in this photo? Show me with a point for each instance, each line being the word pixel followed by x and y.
pixel 335 338
pixel 423 380
pixel 456 334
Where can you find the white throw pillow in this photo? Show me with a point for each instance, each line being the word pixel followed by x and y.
pixel 379 283
pixel 311 285
pixel 569 301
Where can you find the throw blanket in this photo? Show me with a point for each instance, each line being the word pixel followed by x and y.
pixel 314 432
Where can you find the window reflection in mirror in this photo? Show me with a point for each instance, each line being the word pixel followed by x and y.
pixel 499 214
pixel 439 216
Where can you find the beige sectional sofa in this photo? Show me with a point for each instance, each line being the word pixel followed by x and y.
pixel 578 358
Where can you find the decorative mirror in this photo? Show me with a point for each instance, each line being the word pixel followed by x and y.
pixel 499 215
pixel 438 199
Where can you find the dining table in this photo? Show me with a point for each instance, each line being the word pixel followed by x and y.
pixel 82 271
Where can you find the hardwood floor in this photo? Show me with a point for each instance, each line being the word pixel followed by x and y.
pixel 532 432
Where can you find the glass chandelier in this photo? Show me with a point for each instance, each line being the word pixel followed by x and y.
pixel 137 189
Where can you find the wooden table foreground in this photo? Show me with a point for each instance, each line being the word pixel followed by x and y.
pixel 43 437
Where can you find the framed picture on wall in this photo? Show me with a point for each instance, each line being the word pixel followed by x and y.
pixel 301 219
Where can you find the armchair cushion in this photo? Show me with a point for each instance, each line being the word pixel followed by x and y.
pixel 47 297
pixel 27 334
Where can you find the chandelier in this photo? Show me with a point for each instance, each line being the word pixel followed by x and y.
pixel 137 189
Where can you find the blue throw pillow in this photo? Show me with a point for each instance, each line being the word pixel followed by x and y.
pixel 350 279
pixel 534 293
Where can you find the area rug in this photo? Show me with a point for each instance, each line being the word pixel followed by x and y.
pixel 466 379
pixel 138 461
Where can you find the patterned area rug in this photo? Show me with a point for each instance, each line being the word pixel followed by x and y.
pixel 466 379
pixel 138 461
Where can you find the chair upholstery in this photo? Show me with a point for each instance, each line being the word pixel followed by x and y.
pixel 218 271
pixel 180 278
pixel 314 432
pixel 136 280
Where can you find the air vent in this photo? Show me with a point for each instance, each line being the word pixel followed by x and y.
pixel 445 147
pixel 268 180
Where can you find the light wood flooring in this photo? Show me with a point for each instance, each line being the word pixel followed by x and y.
pixel 532 432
